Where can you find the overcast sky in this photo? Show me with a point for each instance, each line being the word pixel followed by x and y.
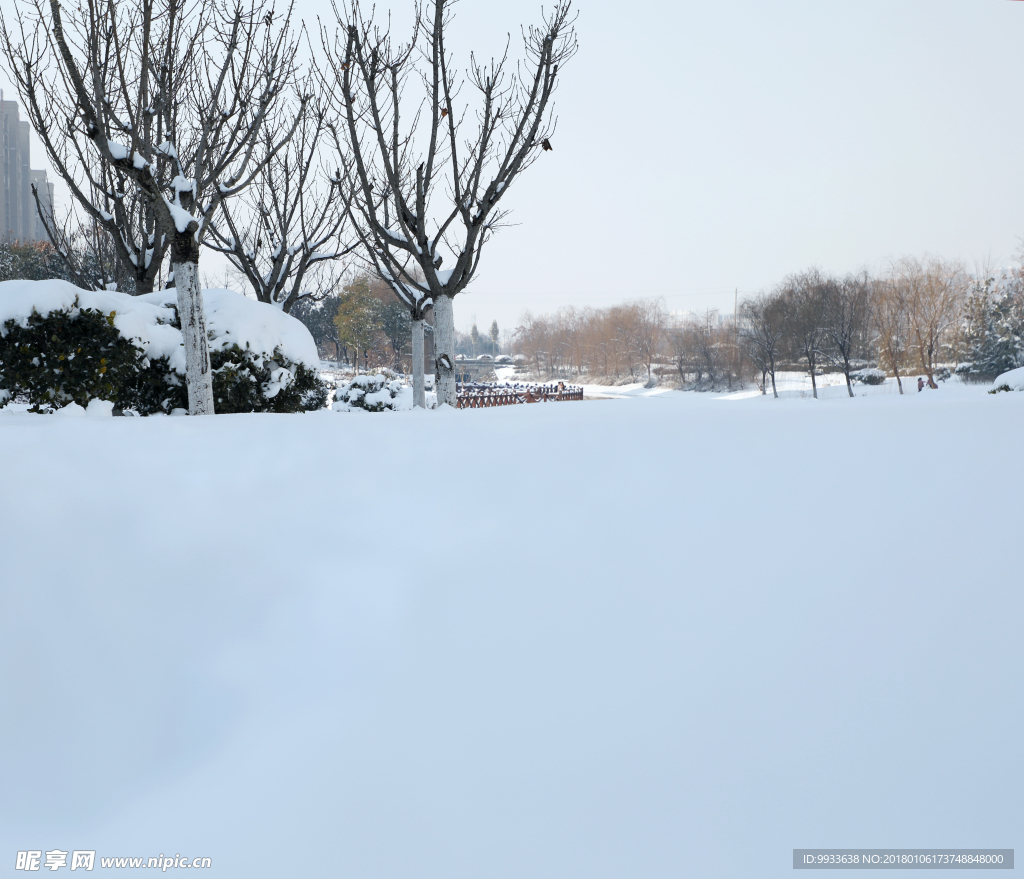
pixel 705 147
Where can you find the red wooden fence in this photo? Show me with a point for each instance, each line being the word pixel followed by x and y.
pixel 480 396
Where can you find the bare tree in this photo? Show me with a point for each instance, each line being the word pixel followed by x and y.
pixel 934 298
pixel 803 300
pixel 283 234
pixel 891 320
pixel 761 331
pixel 697 350
pixel 648 325
pixel 174 98
pixel 90 256
pixel 103 192
pixel 432 183
pixel 847 312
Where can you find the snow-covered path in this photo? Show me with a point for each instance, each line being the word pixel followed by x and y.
pixel 685 637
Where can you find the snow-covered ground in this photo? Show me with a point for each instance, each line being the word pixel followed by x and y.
pixel 683 637
pixel 788 384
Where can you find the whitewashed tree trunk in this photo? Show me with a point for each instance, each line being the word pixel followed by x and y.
pixel 444 351
pixel 198 378
pixel 419 396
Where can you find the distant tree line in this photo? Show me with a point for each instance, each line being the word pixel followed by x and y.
pixel 624 340
pixel 917 317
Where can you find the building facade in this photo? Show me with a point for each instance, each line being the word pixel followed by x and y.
pixel 19 219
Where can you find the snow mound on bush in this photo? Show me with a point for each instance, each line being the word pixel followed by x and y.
pixel 136 317
pixel 234 319
pixel 1010 381
pixel 373 393
pixel 95 407
pixel 231 319
pixel 868 376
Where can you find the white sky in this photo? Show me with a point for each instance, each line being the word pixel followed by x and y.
pixel 704 147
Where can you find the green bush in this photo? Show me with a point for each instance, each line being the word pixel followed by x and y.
pixel 71 356
pixel 77 355
pixel 246 382
pixel 868 376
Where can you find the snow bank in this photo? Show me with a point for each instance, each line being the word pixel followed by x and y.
pixel 95 407
pixel 1014 380
pixel 234 319
pixel 231 318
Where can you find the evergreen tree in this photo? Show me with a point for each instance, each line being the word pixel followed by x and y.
pixel 995 327
pixel 31 261
pixel 494 338
pixel 396 325
pixel 319 320
pixel 359 319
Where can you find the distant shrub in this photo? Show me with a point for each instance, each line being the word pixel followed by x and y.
pixel 868 376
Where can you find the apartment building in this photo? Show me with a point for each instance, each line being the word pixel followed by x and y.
pixel 19 219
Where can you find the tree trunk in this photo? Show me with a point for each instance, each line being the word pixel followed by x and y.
pixel 927 356
pixel 896 372
pixel 814 384
pixel 846 372
pixel 444 351
pixel 419 396
pixel 198 378
pixel 144 285
pixel 775 392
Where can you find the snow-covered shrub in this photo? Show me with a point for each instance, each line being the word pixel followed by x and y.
pixel 73 355
pixel 373 393
pixel 128 350
pixel 868 376
pixel 244 381
pixel 1009 381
